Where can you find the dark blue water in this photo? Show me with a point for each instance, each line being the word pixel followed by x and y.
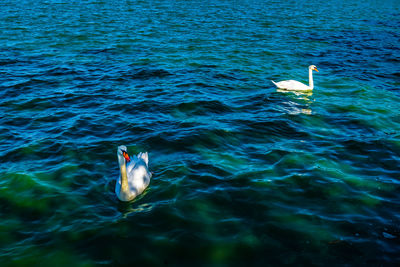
pixel 243 174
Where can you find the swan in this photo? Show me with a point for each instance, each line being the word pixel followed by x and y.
pixel 298 86
pixel 135 175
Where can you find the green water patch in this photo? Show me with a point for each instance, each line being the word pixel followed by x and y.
pixel 31 255
pixel 47 197
pixel 362 115
pixel 259 177
pixel 217 227
pixel 346 186
pixel 30 205
pixel 9 228
pixel 223 160
pixel 59 177
pixel 295 161
pixel 24 193
pixel 311 226
pixel 341 171
pixel 169 176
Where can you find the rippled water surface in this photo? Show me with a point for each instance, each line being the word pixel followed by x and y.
pixel 243 174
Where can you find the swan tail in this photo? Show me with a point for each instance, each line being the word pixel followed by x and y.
pixel 274 83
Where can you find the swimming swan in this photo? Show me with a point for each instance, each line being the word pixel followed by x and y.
pixel 135 175
pixel 295 85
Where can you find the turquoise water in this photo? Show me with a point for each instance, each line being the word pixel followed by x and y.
pixel 243 174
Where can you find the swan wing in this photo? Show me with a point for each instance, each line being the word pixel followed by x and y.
pixel 131 165
pixel 292 85
pixel 144 156
pixel 138 174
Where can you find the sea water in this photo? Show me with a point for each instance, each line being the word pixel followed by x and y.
pixel 242 173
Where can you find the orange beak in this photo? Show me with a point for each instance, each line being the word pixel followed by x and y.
pixel 126 156
pixel 316 70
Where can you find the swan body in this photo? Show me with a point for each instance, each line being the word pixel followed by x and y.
pixel 135 175
pixel 293 85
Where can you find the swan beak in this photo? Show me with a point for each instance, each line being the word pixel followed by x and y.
pixel 316 69
pixel 126 156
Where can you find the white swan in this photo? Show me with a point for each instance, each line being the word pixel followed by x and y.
pixel 135 175
pixel 298 86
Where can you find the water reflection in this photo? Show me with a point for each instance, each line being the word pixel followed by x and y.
pixel 127 208
pixel 295 107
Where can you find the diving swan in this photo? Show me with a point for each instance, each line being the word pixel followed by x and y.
pixel 135 175
pixel 293 85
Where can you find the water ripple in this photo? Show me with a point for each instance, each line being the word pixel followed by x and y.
pixel 243 174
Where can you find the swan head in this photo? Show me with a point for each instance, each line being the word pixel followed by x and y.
pixel 122 153
pixel 313 67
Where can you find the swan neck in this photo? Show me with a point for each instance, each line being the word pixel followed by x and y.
pixel 310 79
pixel 124 177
